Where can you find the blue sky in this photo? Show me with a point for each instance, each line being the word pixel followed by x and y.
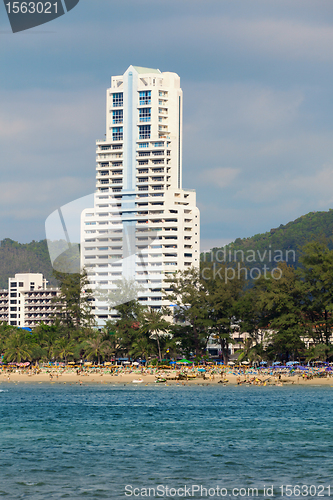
pixel 258 109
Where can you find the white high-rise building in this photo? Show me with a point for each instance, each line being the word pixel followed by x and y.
pixel 143 225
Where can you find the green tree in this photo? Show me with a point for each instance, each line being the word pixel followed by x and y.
pixel 18 347
pixel 74 304
pixel 316 276
pixel 65 348
pixel 188 294
pixel 156 328
pixel 281 300
pixel 141 348
pixel 94 347
pixel 127 325
pixel 223 292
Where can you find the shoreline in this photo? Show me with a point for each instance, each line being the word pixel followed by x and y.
pixel 137 379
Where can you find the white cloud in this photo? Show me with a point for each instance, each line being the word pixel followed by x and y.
pixel 299 187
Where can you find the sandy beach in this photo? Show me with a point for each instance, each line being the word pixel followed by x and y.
pixel 160 377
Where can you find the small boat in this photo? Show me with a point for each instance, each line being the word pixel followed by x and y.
pixel 160 380
pixel 137 381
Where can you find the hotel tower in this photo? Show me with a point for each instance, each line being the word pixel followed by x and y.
pixel 143 226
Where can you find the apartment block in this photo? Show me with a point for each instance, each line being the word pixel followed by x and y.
pixel 28 301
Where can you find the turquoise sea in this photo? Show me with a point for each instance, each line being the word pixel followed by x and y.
pixel 105 442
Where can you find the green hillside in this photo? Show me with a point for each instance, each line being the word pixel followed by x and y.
pixel 266 248
pixel 24 258
pixel 282 243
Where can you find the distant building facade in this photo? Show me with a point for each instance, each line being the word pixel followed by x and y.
pixel 28 302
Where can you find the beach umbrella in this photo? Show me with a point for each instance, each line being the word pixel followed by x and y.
pixel 135 363
pixel 184 361
pixel 231 363
pixel 201 370
pixel 276 363
pixel 263 362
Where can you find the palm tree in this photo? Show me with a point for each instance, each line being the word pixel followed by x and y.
pixel 5 331
pixel 18 347
pixel 254 353
pixel 46 336
pixel 64 347
pixel 141 347
pixel 94 347
pixel 155 327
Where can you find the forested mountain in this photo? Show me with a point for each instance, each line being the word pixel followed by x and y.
pixel 266 248
pixel 282 243
pixel 24 258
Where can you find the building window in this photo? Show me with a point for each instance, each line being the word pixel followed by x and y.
pixel 144 131
pixel 117 116
pixel 144 114
pixel 117 133
pixel 118 100
pixel 144 145
pixel 145 97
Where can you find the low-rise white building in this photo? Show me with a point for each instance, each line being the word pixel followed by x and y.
pixel 28 302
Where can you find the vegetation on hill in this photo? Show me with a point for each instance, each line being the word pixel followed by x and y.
pixel 24 258
pixel 279 244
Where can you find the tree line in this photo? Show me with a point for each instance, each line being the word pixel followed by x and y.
pixel 285 316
